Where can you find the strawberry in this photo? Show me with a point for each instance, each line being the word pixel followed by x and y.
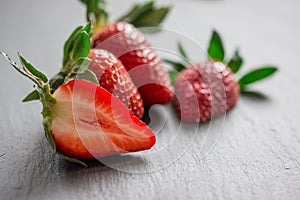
pixel 90 122
pixel 139 58
pixel 208 89
pixel 205 90
pixel 131 47
pixel 103 68
pixel 112 76
pixel 83 120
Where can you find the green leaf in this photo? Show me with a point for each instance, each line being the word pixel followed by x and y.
pixel 32 69
pixel 182 52
pixel 81 65
pixel 46 123
pixel 151 18
pixel 235 62
pixel 215 49
pixel 177 65
pixel 145 15
pixel 88 75
pixel 69 43
pixel 34 95
pixel 87 28
pixel 173 74
pixel 256 75
pixel 82 46
pixel 74 160
pixel 136 11
pixel 21 70
pixel 57 81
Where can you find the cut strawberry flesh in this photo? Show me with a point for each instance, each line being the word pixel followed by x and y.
pixel 89 122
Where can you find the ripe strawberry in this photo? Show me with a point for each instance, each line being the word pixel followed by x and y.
pixel 89 122
pixel 208 89
pixel 130 46
pixel 139 58
pixel 83 120
pixel 112 76
pixel 205 90
pixel 106 69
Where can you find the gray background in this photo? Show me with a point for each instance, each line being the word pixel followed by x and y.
pixel 256 157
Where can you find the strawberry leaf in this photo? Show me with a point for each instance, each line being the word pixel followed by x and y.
pixel 182 52
pixel 69 44
pixel 173 74
pixel 74 160
pixel 256 75
pixel 152 18
pixel 215 49
pixel 34 95
pixel 145 15
pixel 87 28
pixel 29 67
pixel 81 65
pixel 88 75
pixel 235 62
pixel 57 81
pixel 50 139
pixel 82 46
pixel 136 11
pixel 177 65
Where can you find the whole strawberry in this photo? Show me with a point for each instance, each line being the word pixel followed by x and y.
pixel 205 90
pixel 145 67
pixel 100 66
pixel 112 76
pixel 131 47
pixel 208 89
pixel 83 120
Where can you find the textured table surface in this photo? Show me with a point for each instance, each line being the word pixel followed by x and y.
pixel 257 154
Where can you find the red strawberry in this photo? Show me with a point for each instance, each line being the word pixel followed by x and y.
pixel 90 122
pixel 205 90
pixel 130 46
pixel 112 76
pixel 83 120
pixel 139 58
pixel 208 89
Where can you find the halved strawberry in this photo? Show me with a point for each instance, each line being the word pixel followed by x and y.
pixel 83 120
pixel 89 122
pixel 112 76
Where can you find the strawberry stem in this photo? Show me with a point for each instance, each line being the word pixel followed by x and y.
pixel 44 92
pixel 96 14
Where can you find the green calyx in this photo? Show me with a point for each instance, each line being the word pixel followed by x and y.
pixel 177 65
pixel 41 92
pixel 146 14
pixel 75 61
pixel 140 14
pixel 76 47
pixel 216 52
